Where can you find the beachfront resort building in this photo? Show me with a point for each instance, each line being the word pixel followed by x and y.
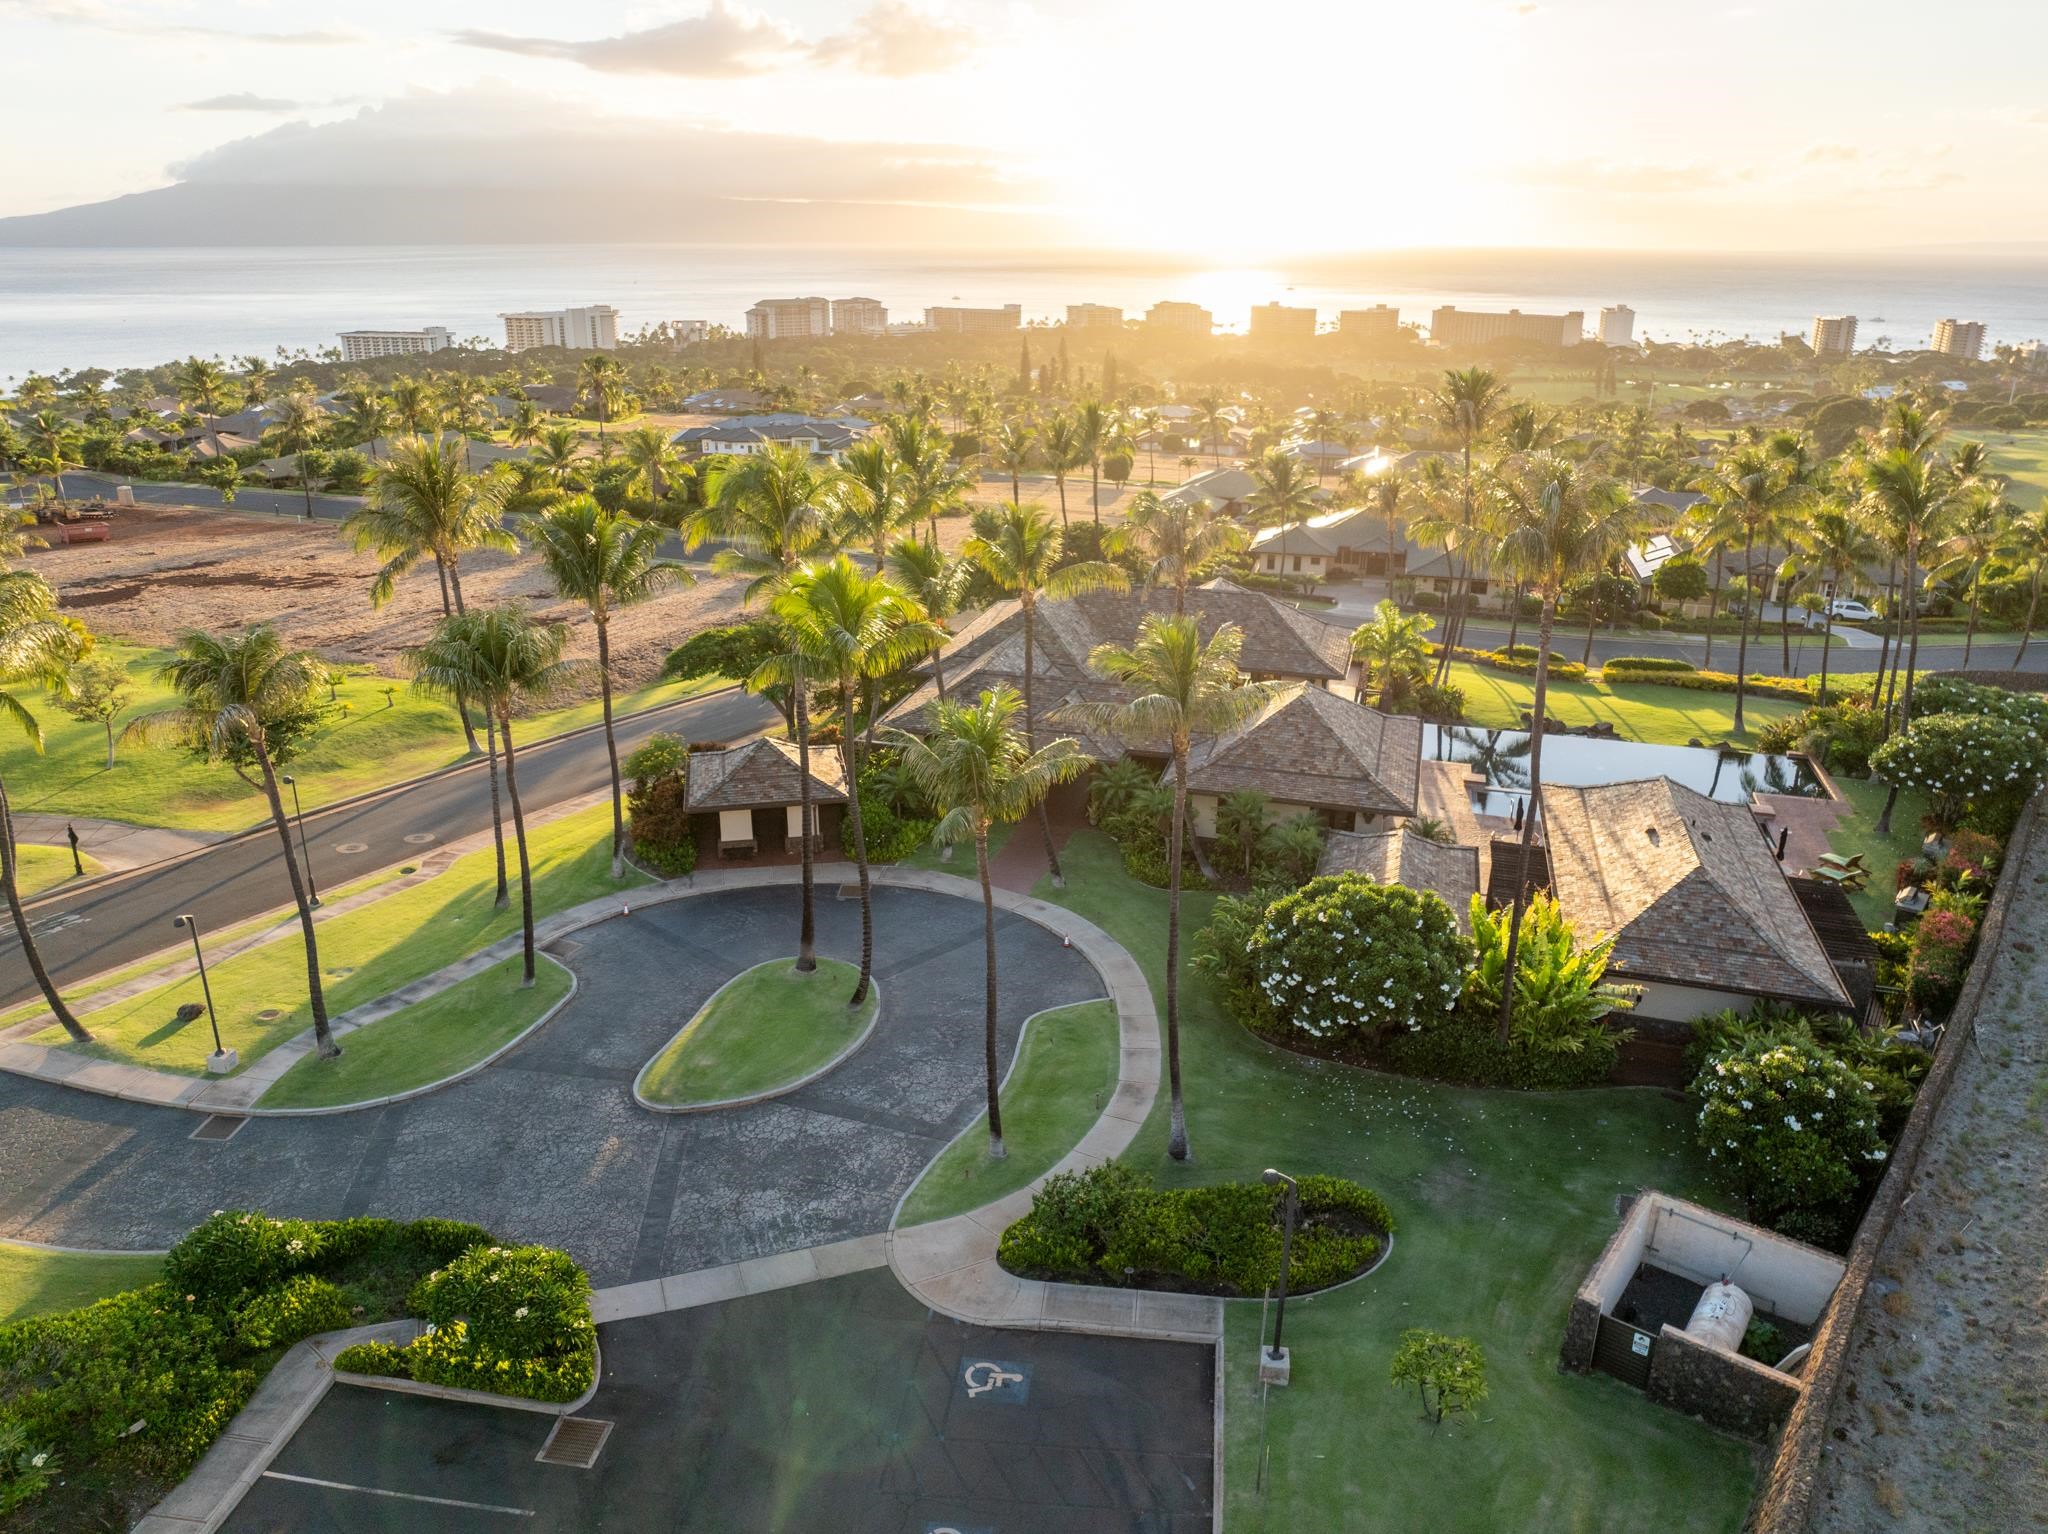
pixel 859 317
pixel 779 319
pixel 1094 316
pixel 362 345
pixel 1959 338
pixel 589 328
pixel 1617 325
pixel 1186 319
pixel 1451 326
pixel 1381 322
pixel 956 321
pixel 1834 335
pixel 1282 322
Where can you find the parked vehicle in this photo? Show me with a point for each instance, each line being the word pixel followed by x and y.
pixel 1841 610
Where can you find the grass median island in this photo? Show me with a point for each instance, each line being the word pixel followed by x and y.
pixel 768 1027
pixel 426 1042
pixel 1063 1078
pixel 261 994
pixel 39 868
pixel 35 1280
pixel 1503 1200
pixel 379 731
pixel 1664 716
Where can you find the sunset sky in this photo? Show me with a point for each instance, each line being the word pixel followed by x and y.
pixel 1222 130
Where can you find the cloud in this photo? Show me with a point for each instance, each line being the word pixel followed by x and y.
pixel 1832 154
pixel 1630 178
pixel 726 41
pixel 240 101
pixel 1526 8
pixel 894 39
pixel 108 16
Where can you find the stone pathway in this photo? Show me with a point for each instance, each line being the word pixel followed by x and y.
pixel 1022 861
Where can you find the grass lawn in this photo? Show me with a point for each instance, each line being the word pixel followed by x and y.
pixel 34 1281
pixel 2022 453
pixel 370 740
pixel 1858 833
pixel 426 1042
pixel 929 857
pixel 261 994
pixel 1063 1077
pixel 1665 716
pixel 39 868
pixel 768 1026
pixel 1502 1201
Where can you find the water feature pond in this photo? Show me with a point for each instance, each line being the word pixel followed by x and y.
pixel 1501 759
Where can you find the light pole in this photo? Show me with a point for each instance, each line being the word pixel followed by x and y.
pixel 221 1060
pixel 1274 1363
pixel 299 815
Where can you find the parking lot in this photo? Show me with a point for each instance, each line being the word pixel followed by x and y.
pixel 837 1408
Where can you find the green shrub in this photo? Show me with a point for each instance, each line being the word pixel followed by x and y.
pixel 1522 661
pixel 440 1242
pixel 1616 674
pixel 890 837
pixel 239 1251
pixel 26 1469
pixel 298 1308
pixel 383 1359
pixel 1793 1129
pixel 1942 940
pixel 1651 663
pixel 1844 734
pixel 1109 1225
pixel 1977 770
pixel 657 808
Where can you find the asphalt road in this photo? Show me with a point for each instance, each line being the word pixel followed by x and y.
pixel 107 925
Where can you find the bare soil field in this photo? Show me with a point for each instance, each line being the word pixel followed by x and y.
pixel 166 569
pixel 1943 1422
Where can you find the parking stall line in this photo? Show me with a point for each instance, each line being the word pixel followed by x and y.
pixel 403 1496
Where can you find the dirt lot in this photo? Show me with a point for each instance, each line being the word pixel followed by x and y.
pixel 167 569
pixel 1944 1419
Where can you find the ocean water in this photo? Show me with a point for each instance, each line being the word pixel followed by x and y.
pixel 115 308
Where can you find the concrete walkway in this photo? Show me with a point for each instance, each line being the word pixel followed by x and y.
pixel 115 843
pixel 1022 862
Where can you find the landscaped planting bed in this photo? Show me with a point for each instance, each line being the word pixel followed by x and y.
pixel 768 1028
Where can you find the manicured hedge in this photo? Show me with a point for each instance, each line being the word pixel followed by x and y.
pixel 1521 661
pixel 1651 663
pixel 1619 674
pixel 1109 1225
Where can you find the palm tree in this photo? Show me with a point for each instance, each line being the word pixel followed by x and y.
pixel 1749 491
pixel 50 439
pixel 775 509
pixel 1556 523
pixel 1182 688
pixel 412 401
pixel 1908 494
pixel 937 584
pixel 933 484
pixel 1833 543
pixel 36 648
pixel 369 419
pixel 1214 417
pixel 203 386
pixel 1094 422
pixel 1019 549
pixel 1395 649
pixel 1978 534
pixel 251 702
pixel 1464 406
pixel 1015 444
pixel 526 424
pixel 297 428
pixel 606 562
pixel 1063 448
pixel 877 510
pixel 655 461
pixel 1283 494
pixel 502 658
pixel 604 380
pixel 1176 538
pixel 2029 551
pixel 256 374
pixel 557 455
pixel 850 627
pixel 980 773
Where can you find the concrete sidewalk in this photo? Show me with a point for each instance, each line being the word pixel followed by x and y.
pixel 116 844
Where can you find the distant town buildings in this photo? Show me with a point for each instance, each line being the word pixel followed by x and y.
pixel 362 345
pixel 689 332
pixel 1834 335
pixel 958 321
pixel 2031 355
pixel 1281 322
pixel 592 327
pixel 1451 326
pixel 1186 319
pixel 1617 325
pixel 1092 316
pixel 1378 323
pixel 1959 338
pixel 779 319
pixel 859 317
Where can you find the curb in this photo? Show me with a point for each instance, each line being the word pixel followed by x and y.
pixel 406 1387
pixel 770 1094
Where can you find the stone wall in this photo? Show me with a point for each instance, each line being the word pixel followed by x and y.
pixel 1725 1390
pixel 1785 1503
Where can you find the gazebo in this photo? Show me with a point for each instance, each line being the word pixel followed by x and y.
pixel 747 800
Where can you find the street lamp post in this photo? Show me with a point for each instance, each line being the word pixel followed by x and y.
pixel 222 1060
pixel 305 855
pixel 1275 1365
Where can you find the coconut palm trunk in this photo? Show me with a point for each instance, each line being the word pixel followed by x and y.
pixel 807 938
pixel 1976 598
pixel 1714 604
pixel 1177 1133
pixel 306 485
pixel 1741 640
pixel 10 885
pixel 1912 629
pixel 611 742
pixel 1052 852
pixel 323 1041
pixel 2027 627
pixel 525 869
pixel 860 853
pixel 988 1023
pixel 1528 837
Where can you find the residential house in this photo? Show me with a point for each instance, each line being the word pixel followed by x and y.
pixel 821 436
pixel 1300 550
pixel 1224 492
pixel 1312 752
pixel 727 401
pixel 1399 855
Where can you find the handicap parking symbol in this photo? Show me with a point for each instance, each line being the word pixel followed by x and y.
pixel 994 1380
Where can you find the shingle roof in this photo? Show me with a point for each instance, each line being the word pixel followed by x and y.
pixel 1400 856
pixel 1688 889
pixel 1296 538
pixel 1308 746
pixel 761 773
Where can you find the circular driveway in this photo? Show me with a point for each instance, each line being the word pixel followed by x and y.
pixel 548 1145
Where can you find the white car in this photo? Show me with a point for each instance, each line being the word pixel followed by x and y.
pixel 1841 610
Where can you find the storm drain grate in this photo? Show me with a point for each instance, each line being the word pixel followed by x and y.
pixel 219 1126
pixel 575 1442
pixel 849 892
pixel 564 947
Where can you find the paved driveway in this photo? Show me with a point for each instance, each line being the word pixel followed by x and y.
pixel 548 1144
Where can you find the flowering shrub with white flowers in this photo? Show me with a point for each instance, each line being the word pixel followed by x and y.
pixel 1976 769
pixel 1344 958
pixel 1793 1128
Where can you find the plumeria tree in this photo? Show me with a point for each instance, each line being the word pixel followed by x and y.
pixel 1962 760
